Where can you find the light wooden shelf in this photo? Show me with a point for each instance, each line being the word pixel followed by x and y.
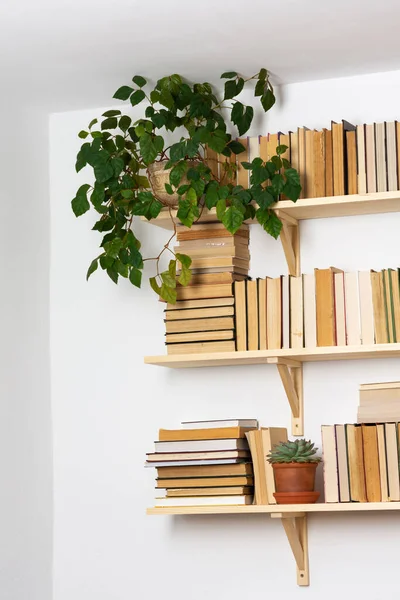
pixel 258 357
pixel 344 507
pixel 313 208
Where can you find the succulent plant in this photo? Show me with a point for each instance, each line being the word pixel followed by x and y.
pixel 298 451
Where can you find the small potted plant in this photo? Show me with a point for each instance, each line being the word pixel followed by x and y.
pixel 294 464
pixel 160 159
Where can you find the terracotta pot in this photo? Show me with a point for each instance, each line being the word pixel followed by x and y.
pixel 294 477
pixel 158 176
pixel 296 497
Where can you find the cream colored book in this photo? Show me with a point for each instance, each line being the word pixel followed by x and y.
pixel 196 292
pixel 199 336
pixel 381 168
pixel 201 347
pixel 239 251
pixel 254 439
pixel 272 145
pixel 310 164
pixel 340 310
pixel 310 311
pixel 285 311
pixel 301 135
pixel 366 308
pixel 391 154
pixel 203 303
pixel 296 312
pixel 209 324
pixel 271 436
pixel 262 313
pixel 392 458
pixel 352 309
pixel 361 167
pixel 252 315
pixel 274 314
pixel 370 157
pixel 330 467
pixel 199 313
pixel 254 148
pixel 380 429
pixel 342 463
pixel 294 150
pixel 239 288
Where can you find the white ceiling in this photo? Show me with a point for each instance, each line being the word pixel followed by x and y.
pixel 67 54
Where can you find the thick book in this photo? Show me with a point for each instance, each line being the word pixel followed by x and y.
pixel 380 432
pixel 353 329
pixel 197 463
pixel 270 437
pixel 252 315
pixel 274 314
pixel 310 164
pixel 239 290
pixel 239 490
pixel 330 466
pixel 199 313
pixel 208 231
pixel 328 163
pixel 391 156
pixel 172 435
pixel 301 135
pixel 371 463
pixel 380 149
pixel 205 471
pixel 388 305
pixel 342 464
pixel 355 457
pixel 204 501
pixel 188 457
pixel 215 278
pixel 201 347
pixel 319 164
pixel 202 445
pixel 340 310
pixel 254 439
pixel 193 482
pixel 392 458
pixel 366 308
pixel 310 311
pixel 370 157
pixel 232 242
pixel 220 262
pixel 219 423
pixel 340 175
pixel 394 283
pixel 296 312
pixel 325 306
pixel 285 284
pixel 203 303
pixel 378 303
pixel 240 251
pixel 351 150
pixel 361 165
pixel 200 336
pixel 294 149
pixel 208 324
pixel 262 313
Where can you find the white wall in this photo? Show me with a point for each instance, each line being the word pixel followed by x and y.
pixel 108 406
pixel 25 420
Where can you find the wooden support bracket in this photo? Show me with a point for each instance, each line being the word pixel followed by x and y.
pixel 291 374
pixel 295 526
pixel 290 238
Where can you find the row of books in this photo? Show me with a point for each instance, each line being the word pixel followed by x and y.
pixel 361 462
pixel 345 159
pixel 324 308
pixel 204 463
pixel 379 403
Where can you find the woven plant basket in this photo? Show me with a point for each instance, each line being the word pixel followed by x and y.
pixel 158 177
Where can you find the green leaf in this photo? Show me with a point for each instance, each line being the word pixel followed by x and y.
pixel 258 175
pixel 276 161
pixel 169 189
pixel 168 279
pixel 274 225
pixel 263 74
pixel 236 147
pixel 267 100
pixel 125 122
pixel 117 165
pixel 212 194
pixel 230 89
pixel 187 212
pixel 111 113
pixel 122 269
pixel 246 120
pixel 113 274
pixel 177 173
pixel 265 199
pixel 127 193
pixel 191 195
pixel 113 247
pixel 221 207
pixel 154 285
pixel 147 148
pixel 83 134
pixel 168 294
pixel 233 218
pixel 239 85
pixel 135 258
pixel 223 192
pixel 158 120
pixel 135 277
pixel 237 112
pixel 93 267
pixel 228 75
pixel 260 86
pixel 137 97
pixel 286 163
pixel 185 260
pixel 183 189
pixel 139 80
pixel 92 122
pixel 154 96
pixel 218 140
pixel 192 148
pixel 185 276
pixel 148 206
pixel 123 93
pixel 199 186
pixel 177 151
pixel 80 203
pixel 281 149
pixel 110 123
pixel 106 262
pixel 277 184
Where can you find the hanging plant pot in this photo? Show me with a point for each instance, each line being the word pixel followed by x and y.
pixel 294 483
pixel 158 176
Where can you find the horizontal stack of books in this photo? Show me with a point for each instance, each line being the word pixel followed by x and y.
pixel 204 463
pixel 325 308
pixel 361 462
pixel 261 442
pixel 345 159
pixel 202 320
pixel 379 402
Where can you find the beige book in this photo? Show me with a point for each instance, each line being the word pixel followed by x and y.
pixel 189 325
pixel 242 173
pixel 395 297
pixel 391 154
pixel 361 167
pixel 366 308
pixel 199 336
pixel 220 261
pixel 294 149
pixel 370 157
pixel 343 467
pixel 325 306
pixel 203 303
pixel 340 310
pixel 328 163
pixel 310 164
pixel 392 459
pixel 387 385
pixel 330 467
pixel 301 134
pixel 351 154
pixel 252 315
pixel 199 313
pixel 201 347
pixel 352 309
pixel 239 288
pixel 214 242
pixel 271 436
pixel 371 463
pixel 241 251
pixel 388 305
pixel 254 148
pixel 355 457
pixel 319 164
pixel 380 149
pixel 260 485
pixel 262 313
pixel 274 315
pixel 228 269
pixel 338 159
pixel 216 491
pixel 310 311
pixel 296 312
pixel 380 430
pixel 215 278
pixel 208 231
pixel 381 332
pixel 195 292
pixel 264 148
pixel 272 145
pixel 285 282
pixel 189 482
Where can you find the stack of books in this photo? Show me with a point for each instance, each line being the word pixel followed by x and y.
pixel 204 463
pixel 324 308
pixel 344 159
pixel 379 402
pixel 202 320
pixel 361 462
pixel 261 442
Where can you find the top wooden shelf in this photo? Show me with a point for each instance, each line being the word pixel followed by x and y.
pixel 313 208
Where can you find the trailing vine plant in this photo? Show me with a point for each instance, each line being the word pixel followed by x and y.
pixel 122 153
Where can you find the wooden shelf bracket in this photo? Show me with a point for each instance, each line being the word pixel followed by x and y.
pixel 291 374
pixel 295 526
pixel 290 239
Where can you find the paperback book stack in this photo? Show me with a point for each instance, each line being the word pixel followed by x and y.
pixel 324 308
pixel 361 462
pixel 204 463
pixel 202 320
pixel 379 402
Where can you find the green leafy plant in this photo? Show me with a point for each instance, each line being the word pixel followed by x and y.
pixel 121 154
pixel 298 451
